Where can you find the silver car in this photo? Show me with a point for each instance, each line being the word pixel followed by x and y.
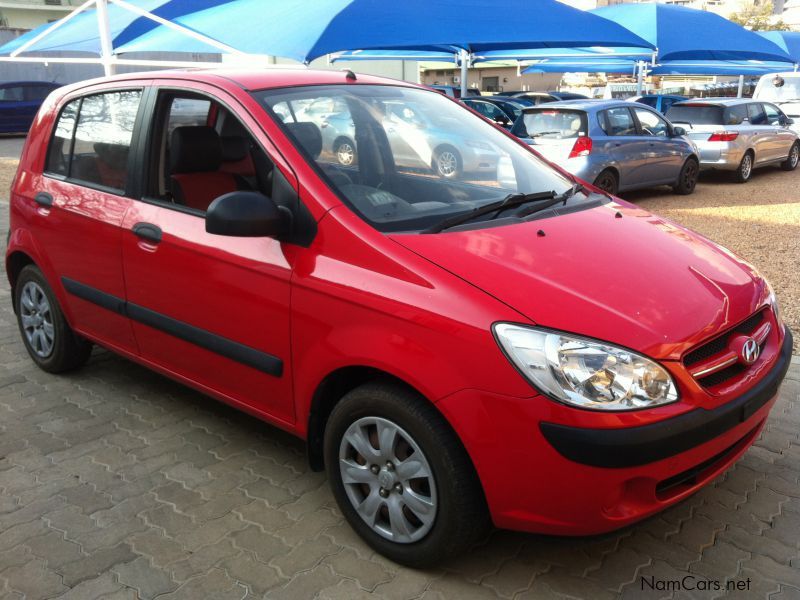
pixel 416 141
pixel 738 134
pixel 618 146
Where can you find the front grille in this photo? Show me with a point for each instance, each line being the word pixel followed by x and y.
pixel 720 343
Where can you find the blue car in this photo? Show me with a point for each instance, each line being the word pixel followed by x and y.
pixel 19 103
pixel 617 146
pixel 661 102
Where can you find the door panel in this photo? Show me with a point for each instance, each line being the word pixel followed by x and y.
pixel 782 137
pixel 210 308
pixel 664 158
pixel 762 134
pixel 628 149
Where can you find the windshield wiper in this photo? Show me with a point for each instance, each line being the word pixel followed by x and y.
pixel 541 133
pixel 509 201
pixel 561 198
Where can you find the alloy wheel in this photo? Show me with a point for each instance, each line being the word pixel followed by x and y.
pixel 345 154
pixel 794 156
pixel 747 166
pixel 37 319
pixel 388 479
pixel 447 163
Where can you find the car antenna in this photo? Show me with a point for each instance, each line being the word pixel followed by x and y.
pixel 349 75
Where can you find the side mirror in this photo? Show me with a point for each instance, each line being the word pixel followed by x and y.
pixel 788 121
pixel 247 214
pixel 502 120
pixel 678 131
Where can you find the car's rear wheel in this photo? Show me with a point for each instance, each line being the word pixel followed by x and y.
pixel 401 476
pixel 48 338
pixel 447 162
pixel 608 182
pixel 687 180
pixel 345 151
pixel 745 169
pixel 790 164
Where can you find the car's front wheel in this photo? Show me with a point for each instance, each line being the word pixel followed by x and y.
pixel 345 152
pixel 46 334
pixel 447 162
pixel 687 180
pixel 790 164
pixel 401 476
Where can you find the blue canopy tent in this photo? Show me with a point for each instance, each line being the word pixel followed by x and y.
pixel 786 40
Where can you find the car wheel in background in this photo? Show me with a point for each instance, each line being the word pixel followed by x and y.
pixel 49 340
pixel 401 476
pixel 790 164
pixel 607 181
pixel 687 180
pixel 447 162
pixel 345 151
pixel 745 169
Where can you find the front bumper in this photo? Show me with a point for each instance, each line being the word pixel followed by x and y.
pixel 580 481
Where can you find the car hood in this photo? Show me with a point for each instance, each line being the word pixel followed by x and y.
pixel 613 272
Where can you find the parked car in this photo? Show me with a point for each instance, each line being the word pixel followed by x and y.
pixel 543 97
pixel 613 144
pixel 738 134
pixel 454 91
pixel 661 102
pixel 515 350
pixel 19 103
pixel 418 139
pixel 782 90
pixel 500 110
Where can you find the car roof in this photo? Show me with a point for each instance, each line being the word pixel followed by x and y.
pixel 586 104
pixel 252 79
pixel 716 101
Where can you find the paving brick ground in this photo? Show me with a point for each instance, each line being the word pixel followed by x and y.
pixel 118 483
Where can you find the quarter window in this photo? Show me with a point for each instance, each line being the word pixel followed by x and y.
pixel 93 137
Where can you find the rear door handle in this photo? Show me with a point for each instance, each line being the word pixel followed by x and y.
pixel 147 231
pixel 43 199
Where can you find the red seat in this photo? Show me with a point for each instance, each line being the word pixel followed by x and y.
pixel 196 179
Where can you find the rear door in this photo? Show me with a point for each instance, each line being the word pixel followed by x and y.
pixel 81 200
pixel 210 309
pixel 665 153
pixel 626 146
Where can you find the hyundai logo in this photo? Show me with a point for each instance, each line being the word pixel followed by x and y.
pixel 749 352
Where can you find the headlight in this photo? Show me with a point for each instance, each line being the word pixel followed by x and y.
pixel 583 372
pixel 773 302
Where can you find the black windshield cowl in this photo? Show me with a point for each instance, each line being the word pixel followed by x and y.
pixel 510 201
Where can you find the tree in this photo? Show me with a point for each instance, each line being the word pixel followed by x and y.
pixel 757 16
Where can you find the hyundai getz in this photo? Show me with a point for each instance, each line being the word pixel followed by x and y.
pixel 511 347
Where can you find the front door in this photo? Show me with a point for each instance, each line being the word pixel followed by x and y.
pixel 664 153
pixel 210 309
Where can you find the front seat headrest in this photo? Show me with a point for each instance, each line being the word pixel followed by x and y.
pixel 308 136
pixel 195 150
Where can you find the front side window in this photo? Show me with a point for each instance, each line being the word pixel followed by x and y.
pixel 651 123
pixel 618 121
pixel 756 114
pixel 774 116
pixel 92 139
pixel 405 158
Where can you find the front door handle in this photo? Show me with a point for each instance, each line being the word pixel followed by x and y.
pixel 43 199
pixel 148 231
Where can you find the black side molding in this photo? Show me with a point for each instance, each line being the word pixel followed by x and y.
pixel 256 359
pixel 634 446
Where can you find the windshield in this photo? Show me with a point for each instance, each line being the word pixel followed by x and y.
pixel 769 92
pixel 403 158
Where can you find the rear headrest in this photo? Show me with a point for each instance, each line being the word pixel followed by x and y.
pixel 234 148
pixel 195 150
pixel 309 137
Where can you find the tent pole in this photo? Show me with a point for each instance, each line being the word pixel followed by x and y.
pixel 741 86
pixel 106 49
pixel 464 72
pixel 639 77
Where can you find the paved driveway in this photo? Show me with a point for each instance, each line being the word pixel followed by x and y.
pixel 118 483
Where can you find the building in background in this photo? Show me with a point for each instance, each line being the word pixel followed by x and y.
pixel 27 14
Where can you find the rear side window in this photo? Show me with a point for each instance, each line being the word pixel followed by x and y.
pixel 92 139
pixel 735 115
pixel 756 114
pixel 12 94
pixel 617 121
pixel 696 114
pixel 555 124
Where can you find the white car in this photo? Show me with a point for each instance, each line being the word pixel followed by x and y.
pixel 782 89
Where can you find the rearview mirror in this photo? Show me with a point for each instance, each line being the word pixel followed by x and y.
pixel 678 131
pixel 247 214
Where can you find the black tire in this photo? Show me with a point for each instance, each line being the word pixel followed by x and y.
pixel 447 162
pixel 744 171
pixel 351 155
pixel 68 351
pixel 461 516
pixel 790 164
pixel 687 180
pixel 607 181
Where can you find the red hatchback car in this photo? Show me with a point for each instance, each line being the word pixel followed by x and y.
pixel 458 346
